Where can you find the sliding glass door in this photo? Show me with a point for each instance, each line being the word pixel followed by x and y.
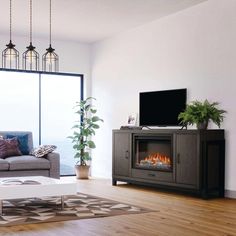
pixel 42 103
pixel 58 97
pixel 19 103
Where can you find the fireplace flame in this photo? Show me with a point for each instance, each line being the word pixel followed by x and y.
pixel 156 159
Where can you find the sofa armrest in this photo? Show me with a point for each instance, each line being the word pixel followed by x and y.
pixel 54 159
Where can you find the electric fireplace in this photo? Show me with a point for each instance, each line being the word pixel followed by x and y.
pixel 153 152
pixel 191 161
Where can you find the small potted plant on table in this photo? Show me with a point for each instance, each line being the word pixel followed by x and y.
pixel 84 129
pixel 200 113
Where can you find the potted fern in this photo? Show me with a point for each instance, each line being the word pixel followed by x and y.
pixel 200 113
pixel 84 129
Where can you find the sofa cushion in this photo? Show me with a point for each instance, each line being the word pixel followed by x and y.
pixel 16 133
pixel 27 162
pixel 9 147
pixel 23 140
pixel 4 165
pixel 43 150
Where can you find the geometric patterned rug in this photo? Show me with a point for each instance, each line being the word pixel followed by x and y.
pixel 48 209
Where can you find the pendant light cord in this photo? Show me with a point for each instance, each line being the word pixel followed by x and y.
pixel 30 21
pixel 50 22
pixel 10 19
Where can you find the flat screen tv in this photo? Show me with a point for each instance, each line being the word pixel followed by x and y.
pixel 161 108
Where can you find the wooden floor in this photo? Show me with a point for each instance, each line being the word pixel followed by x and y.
pixel 173 214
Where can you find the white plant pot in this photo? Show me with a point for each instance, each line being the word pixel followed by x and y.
pixel 82 172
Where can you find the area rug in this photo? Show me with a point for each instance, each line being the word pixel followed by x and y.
pixel 48 209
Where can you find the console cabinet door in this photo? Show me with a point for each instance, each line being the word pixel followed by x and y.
pixel 121 152
pixel 187 163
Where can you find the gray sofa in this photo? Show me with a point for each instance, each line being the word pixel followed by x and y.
pixel 28 165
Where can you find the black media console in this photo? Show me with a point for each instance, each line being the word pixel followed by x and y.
pixel 191 161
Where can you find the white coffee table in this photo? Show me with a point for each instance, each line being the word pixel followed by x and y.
pixel 48 187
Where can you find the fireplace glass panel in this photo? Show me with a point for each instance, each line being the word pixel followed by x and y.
pixel 153 153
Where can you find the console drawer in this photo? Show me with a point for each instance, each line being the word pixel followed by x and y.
pixel 153 175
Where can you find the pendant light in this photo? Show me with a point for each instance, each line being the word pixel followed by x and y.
pixel 10 56
pixel 30 56
pixel 50 60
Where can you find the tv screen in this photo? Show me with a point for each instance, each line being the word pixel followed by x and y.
pixel 161 108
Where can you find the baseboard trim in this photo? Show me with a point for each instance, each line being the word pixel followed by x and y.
pixel 230 193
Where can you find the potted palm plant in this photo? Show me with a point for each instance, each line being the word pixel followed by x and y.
pixel 200 113
pixel 84 129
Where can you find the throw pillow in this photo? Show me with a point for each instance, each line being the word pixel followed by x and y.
pixel 9 147
pixel 43 150
pixel 23 142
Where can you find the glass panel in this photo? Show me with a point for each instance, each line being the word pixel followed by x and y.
pixel 58 97
pixel 19 102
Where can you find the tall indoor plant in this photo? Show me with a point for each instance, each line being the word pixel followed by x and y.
pixel 200 113
pixel 84 129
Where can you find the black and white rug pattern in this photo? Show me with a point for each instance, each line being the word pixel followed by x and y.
pixel 48 209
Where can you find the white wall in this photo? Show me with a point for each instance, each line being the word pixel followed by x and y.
pixel 194 48
pixel 73 57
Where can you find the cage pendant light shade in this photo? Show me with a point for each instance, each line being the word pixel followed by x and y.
pixel 10 56
pixel 50 60
pixel 30 56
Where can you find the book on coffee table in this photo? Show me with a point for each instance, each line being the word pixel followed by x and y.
pixel 18 182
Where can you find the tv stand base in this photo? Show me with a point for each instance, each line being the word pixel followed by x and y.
pixel 198 161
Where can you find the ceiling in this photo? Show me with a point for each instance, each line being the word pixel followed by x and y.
pixel 85 20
